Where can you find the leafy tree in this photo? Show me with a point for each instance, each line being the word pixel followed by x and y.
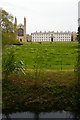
pixel 78 36
pixel 77 67
pixel 77 90
pixel 6 21
pixel 8 28
pixel 78 62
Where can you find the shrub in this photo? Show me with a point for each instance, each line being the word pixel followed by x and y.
pixel 10 64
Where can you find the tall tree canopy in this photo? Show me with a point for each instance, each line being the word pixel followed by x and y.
pixel 78 36
pixel 8 28
pixel 6 21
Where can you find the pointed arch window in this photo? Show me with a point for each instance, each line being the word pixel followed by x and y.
pixel 21 32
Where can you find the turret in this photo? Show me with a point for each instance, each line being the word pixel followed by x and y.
pixel 24 29
pixel 16 21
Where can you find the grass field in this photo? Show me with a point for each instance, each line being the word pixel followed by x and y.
pixel 43 86
pixel 59 55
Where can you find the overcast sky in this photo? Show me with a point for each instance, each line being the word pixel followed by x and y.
pixel 44 15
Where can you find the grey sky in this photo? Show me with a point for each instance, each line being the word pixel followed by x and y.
pixel 44 15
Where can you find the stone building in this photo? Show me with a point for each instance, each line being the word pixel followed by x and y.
pixel 74 36
pixel 51 36
pixel 29 38
pixel 21 31
pixel 42 36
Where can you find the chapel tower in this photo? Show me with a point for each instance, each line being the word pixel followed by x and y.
pixel 15 21
pixel 21 34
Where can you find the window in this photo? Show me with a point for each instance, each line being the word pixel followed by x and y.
pixel 21 32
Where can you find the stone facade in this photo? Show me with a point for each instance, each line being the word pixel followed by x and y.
pixel 21 31
pixel 51 36
pixel 74 36
pixel 29 38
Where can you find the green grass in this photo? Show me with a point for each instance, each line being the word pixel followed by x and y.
pixel 46 55
pixel 44 86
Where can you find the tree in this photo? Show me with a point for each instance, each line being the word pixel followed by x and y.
pixel 78 62
pixel 77 90
pixel 6 21
pixel 78 35
pixel 77 68
pixel 8 28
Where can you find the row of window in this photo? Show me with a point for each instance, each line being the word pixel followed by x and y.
pixel 49 40
pixel 49 37
pixel 41 39
pixel 63 37
pixel 53 35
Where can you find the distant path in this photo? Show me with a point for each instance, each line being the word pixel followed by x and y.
pixel 59 70
pixel 70 70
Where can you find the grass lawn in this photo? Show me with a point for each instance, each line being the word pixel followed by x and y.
pixel 44 86
pixel 59 55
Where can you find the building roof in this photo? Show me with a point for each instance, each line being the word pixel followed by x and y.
pixel 20 25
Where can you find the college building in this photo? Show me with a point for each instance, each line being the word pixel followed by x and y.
pixel 53 36
pixel 50 36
